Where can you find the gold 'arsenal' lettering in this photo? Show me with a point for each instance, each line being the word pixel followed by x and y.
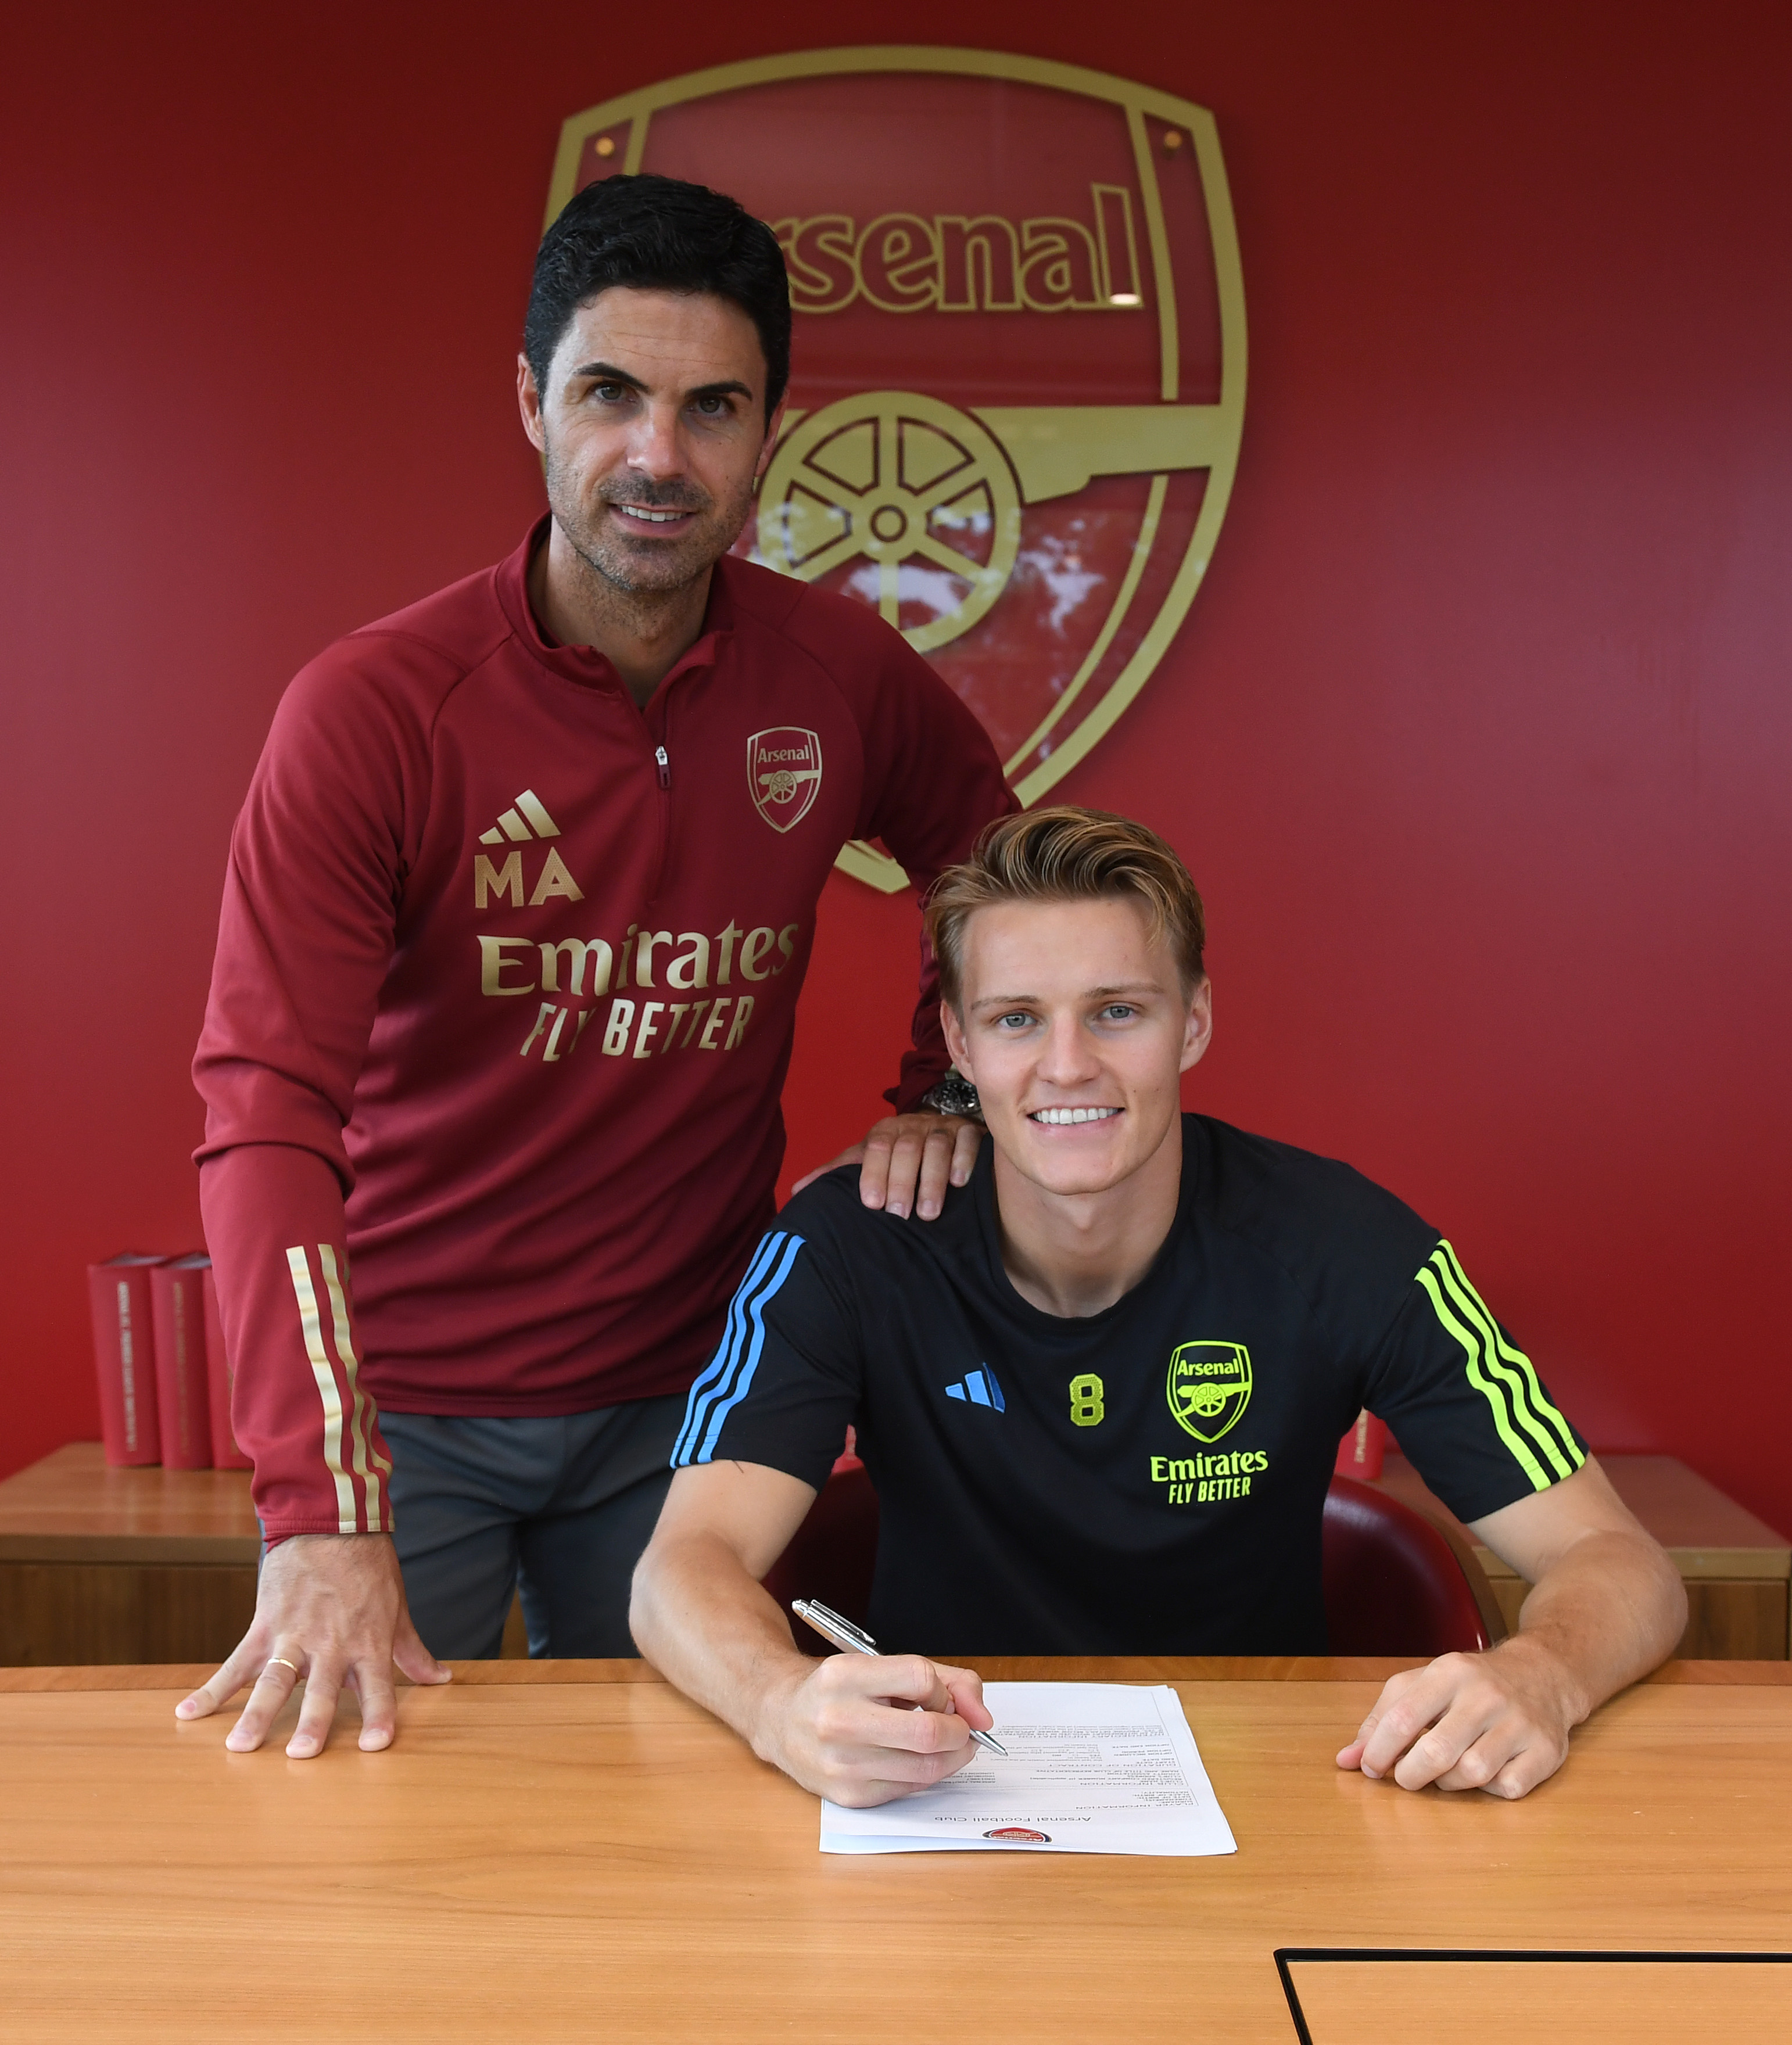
pixel 953 263
pixel 979 265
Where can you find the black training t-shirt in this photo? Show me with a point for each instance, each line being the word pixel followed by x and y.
pixel 1150 1480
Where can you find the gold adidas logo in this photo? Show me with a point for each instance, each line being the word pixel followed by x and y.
pixel 524 822
pixel 515 823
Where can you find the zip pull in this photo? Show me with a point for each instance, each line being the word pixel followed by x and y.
pixel 665 766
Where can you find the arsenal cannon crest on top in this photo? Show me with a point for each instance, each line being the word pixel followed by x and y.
pixel 1209 1387
pixel 783 773
pixel 1018 381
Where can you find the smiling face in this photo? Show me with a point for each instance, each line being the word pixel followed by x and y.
pixel 654 429
pixel 1076 1031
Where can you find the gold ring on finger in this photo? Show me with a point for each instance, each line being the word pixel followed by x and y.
pixel 280 1660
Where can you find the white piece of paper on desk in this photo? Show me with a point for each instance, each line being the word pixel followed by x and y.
pixel 1090 1768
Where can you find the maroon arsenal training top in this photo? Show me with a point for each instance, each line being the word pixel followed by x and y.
pixel 506 976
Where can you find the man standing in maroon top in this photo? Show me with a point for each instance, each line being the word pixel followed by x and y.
pixel 517 913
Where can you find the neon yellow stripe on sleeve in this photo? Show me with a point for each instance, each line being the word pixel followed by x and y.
pixel 1472 1346
pixel 1543 1419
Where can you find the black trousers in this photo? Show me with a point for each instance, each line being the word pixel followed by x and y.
pixel 559 1508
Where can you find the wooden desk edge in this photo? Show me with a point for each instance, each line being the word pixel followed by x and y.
pixel 180 1676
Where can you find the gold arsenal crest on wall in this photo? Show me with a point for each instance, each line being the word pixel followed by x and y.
pixel 1017 387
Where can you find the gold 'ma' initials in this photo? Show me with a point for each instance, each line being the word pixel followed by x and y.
pixel 506 881
pixel 500 880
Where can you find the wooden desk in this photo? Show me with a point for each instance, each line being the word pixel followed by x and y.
pixel 566 1851
pixel 1735 1568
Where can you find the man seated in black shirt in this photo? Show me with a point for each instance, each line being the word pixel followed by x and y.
pixel 1100 1397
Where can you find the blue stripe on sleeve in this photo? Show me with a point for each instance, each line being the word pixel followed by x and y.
pixel 732 1335
pixel 724 1405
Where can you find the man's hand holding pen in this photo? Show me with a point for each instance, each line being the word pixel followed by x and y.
pixel 863 1730
pixel 860 1728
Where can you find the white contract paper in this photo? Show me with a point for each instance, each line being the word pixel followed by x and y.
pixel 1092 1768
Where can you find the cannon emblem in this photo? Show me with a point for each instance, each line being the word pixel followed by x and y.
pixel 1209 1387
pixel 783 773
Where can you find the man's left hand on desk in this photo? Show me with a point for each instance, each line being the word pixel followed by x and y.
pixel 1498 1721
pixel 1607 1608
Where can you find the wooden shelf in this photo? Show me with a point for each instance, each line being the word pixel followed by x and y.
pixel 1735 1568
pixel 73 1507
pixel 139 1565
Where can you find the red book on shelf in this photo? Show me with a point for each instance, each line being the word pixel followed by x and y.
pixel 1361 1451
pixel 225 1454
pixel 124 1357
pixel 177 1296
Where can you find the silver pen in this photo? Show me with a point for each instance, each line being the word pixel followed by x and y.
pixel 854 1640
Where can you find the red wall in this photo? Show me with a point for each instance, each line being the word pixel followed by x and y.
pixel 1475 738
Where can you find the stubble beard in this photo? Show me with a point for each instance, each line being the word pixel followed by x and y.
pixel 666 570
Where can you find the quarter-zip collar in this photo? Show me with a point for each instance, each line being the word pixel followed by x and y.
pixel 584 665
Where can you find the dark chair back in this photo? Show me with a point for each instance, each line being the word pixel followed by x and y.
pixel 832 1555
pixel 1394 1584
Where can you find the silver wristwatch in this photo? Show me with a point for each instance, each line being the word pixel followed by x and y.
pixel 954 1095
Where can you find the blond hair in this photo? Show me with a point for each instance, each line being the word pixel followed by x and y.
pixel 1067 855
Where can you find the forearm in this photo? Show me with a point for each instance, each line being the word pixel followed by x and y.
pixel 273 1222
pixel 708 1629
pixel 1607 1613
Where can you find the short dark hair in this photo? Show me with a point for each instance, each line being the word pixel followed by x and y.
pixel 1068 855
pixel 654 234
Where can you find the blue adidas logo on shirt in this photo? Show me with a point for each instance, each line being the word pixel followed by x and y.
pixel 980 1388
